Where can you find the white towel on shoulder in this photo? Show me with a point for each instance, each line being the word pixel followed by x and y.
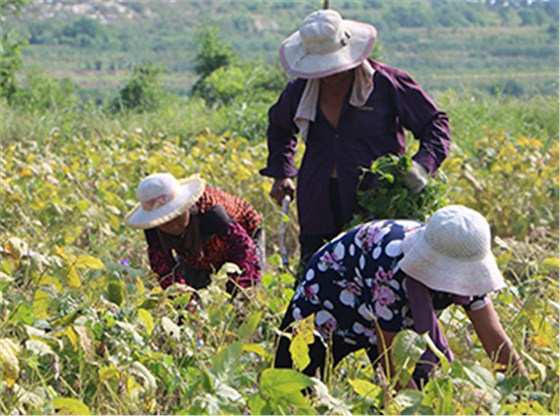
pixel 307 107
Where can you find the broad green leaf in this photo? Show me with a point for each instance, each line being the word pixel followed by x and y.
pixel 72 277
pixel 299 350
pixel 115 291
pixel 41 302
pixel 89 262
pixel 249 327
pixel 365 389
pixel 82 205
pixel 408 346
pixel 409 398
pixel 257 349
pixel 256 404
pixel 72 337
pixel 299 346
pixel 69 406
pixel 227 360
pixel 281 382
pixel 147 320
pixel 71 234
pixel 107 373
pixel 284 387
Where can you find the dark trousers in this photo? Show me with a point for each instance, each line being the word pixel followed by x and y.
pixel 310 243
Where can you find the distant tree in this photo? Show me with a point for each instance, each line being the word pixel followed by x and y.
pixel 11 60
pixel 10 63
pixel 144 91
pixel 84 31
pixel 12 6
pixel 405 15
pixel 213 53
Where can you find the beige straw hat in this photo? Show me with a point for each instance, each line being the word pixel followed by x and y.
pixel 325 44
pixel 163 198
pixel 453 253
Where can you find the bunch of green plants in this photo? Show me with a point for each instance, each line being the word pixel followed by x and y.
pixel 390 198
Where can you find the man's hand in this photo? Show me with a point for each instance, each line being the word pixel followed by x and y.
pixel 282 187
pixel 416 178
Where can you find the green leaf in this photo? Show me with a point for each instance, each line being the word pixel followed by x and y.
pixel 227 360
pixel 89 262
pixel 69 406
pixel 147 320
pixel 115 291
pixel 408 346
pixel 365 389
pixel 281 383
pixel 248 328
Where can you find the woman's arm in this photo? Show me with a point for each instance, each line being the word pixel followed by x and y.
pixel 162 262
pixel 240 249
pixel 494 339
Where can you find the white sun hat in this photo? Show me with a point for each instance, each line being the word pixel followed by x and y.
pixel 325 44
pixel 163 198
pixel 453 253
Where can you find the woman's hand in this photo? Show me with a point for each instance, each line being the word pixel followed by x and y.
pixel 282 187
pixel 494 339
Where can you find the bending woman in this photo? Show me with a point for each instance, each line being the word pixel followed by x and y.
pixel 385 276
pixel 192 230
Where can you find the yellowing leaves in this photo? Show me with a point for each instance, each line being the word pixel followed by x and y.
pixel 299 347
pixel 9 352
pixel 69 406
pixel 147 320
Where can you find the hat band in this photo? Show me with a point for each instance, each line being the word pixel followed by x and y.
pixel 157 202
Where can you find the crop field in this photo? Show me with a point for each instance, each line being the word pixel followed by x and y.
pixel 86 328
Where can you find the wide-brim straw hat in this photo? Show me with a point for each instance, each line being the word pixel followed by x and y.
pixel 326 44
pixel 163 198
pixel 453 253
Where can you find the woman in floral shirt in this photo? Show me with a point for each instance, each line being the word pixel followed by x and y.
pixel 192 230
pixel 385 276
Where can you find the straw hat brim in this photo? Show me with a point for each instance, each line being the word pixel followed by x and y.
pixel 189 191
pixel 446 274
pixel 298 63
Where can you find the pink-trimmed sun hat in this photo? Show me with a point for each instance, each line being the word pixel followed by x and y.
pixel 325 44
pixel 163 198
pixel 453 253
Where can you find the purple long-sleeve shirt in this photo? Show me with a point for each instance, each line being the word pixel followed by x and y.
pixel 363 134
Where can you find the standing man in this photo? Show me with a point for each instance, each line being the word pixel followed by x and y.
pixel 349 111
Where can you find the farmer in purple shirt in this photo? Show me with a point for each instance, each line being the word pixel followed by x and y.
pixel 385 276
pixel 349 111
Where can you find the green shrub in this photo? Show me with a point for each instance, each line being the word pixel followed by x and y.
pixel 144 91
pixel 41 92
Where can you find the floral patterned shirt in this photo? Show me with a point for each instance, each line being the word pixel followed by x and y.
pixel 355 281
